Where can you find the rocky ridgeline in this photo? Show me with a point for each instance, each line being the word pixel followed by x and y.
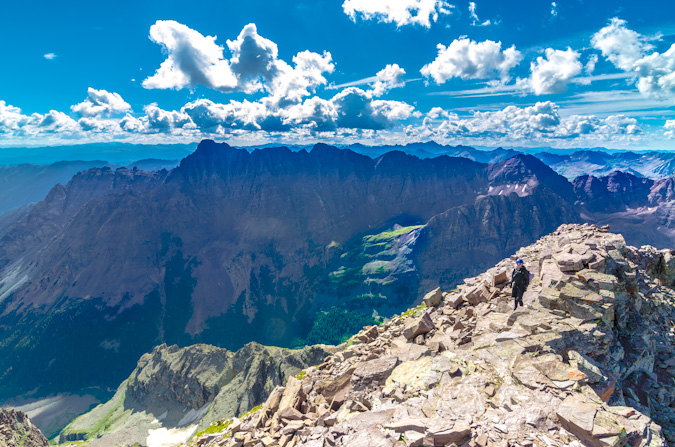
pixel 183 390
pixel 17 430
pixel 586 362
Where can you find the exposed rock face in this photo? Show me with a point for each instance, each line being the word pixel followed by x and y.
pixel 185 389
pixel 614 192
pixel 16 430
pixel 587 362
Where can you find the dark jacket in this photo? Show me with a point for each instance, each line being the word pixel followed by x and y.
pixel 520 278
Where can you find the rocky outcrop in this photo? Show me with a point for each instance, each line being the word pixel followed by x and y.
pixel 182 390
pixel 586 362
pixel 17 430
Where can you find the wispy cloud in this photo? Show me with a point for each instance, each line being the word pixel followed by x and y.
pixel 50 56
pixel 625 102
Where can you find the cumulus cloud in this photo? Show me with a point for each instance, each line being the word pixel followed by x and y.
pixel 540 122
pixel 475 21
pixel 14 123
pixel 400 12
pixel 628 50
pixel 552 74
pixel 620 45
pixel 194 59
pixel 670 128
pixel 101 103
pixel 388 78
pixel 467 59
pixel 351 108
pixel 50 56
pixel 656 74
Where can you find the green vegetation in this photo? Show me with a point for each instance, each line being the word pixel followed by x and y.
pixel 301 375
pixel 107 415
pixel 335 327
pixel 413 311
pixel 251 411
pixel 215 427
pixel 388 235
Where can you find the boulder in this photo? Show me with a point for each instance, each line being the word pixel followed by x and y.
pixel 458 433
pixel 433 298
pixel 577 416
pixel 499 277
pixel 477 294
pixel 453 300
pixel 373 371
pixel 569 262
pixel 421 325
pixel 335 390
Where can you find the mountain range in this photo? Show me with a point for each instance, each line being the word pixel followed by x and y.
pixel 278 246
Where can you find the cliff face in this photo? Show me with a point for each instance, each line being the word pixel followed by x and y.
pixel 16 430
pixel 177 391
pixel 587 361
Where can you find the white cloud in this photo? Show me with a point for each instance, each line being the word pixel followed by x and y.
pixel 50 56
pixel 670 128
pixel 14 123
pixel 475 21
pixel 467 59
pixel 590 65
pixel 541 122
pixel 552 74
pixel 388 78
pixel 400 12
pixel 620 45
pixel 554 9
pixel 100 103
pixel 11 118
pixel 194 59
pixel 627 50
pixel 351 108
pixel 656 74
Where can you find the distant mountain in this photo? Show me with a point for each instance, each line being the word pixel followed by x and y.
pixel 600 163
pixel 643 209
pixel 235 246
pixel 26 183
pixel 114 153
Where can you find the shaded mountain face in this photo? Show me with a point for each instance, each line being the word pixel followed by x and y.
pixel 641 208
pixel 232 247
pixel 26 183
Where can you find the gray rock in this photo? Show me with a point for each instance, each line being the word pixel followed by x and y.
pixel 433 298
pixel 373 371
pixel 419 326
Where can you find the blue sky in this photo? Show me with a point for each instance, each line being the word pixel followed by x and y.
pixel 485 73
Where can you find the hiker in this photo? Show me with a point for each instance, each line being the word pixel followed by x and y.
pixel 520 279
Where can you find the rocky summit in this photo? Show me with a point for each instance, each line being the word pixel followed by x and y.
pixel 17 430
pixel 587 362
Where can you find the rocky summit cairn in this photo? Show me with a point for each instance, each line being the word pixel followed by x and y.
pixel 587 362
pixel 17 430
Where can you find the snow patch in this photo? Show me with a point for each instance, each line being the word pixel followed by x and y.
pixel 171 437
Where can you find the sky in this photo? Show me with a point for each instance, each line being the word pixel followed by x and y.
pixel 561 74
